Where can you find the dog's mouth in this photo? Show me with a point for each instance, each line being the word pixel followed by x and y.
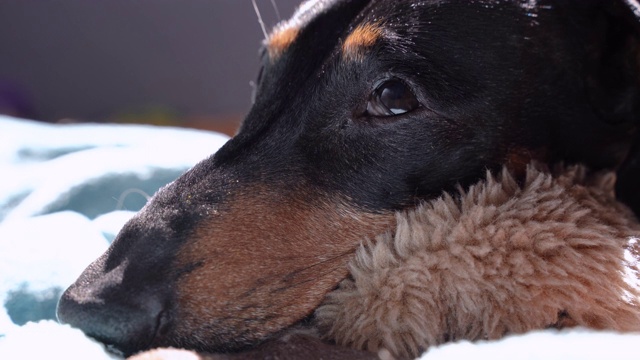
pixel 154 338
pixel 162 328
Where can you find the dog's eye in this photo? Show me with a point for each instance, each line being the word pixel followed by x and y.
pixel 392 97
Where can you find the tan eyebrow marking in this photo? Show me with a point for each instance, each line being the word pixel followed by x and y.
pixel 362 37
pixel 280 40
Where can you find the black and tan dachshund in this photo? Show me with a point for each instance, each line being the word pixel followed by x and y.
pixel 362 108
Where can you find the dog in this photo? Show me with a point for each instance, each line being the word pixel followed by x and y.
pixel 362 108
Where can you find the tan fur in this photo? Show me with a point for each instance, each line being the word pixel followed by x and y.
pixel 498 259
pixel 267 263
pixel 280 39
pixel 361 38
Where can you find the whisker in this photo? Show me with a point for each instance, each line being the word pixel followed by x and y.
pixel 275 7
pixel 123 196
pixel 319 275
pixel 264 30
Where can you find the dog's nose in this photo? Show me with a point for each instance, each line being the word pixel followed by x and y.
pixel 126 326
pixel 126 320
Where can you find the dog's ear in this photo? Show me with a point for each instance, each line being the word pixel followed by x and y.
pixel 614 80
pixel 614 86
pixel 628 184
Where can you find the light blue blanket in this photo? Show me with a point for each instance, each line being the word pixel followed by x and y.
pixel 65 191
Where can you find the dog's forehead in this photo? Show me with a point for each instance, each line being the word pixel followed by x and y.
pixel 286 32
pixel 370 20
pixel 309 10
pixel 373 20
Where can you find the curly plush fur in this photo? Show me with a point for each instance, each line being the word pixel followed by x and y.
pixel 556 251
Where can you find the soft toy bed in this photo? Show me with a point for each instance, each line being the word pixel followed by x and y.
pixel 67 189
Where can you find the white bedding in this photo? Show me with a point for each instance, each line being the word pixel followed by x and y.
pixel 65 191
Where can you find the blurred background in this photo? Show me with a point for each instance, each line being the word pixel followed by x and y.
pixel 166 62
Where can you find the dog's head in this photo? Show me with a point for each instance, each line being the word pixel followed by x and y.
pixel 362 108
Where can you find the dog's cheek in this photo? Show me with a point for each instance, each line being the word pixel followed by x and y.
pixel 264 265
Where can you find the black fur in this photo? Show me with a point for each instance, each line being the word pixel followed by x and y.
pixel 496 81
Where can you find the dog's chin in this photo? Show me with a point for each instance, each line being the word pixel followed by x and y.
pixel 221 341
pixel 144 342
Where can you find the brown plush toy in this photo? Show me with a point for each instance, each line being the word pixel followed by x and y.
pixel 556 250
